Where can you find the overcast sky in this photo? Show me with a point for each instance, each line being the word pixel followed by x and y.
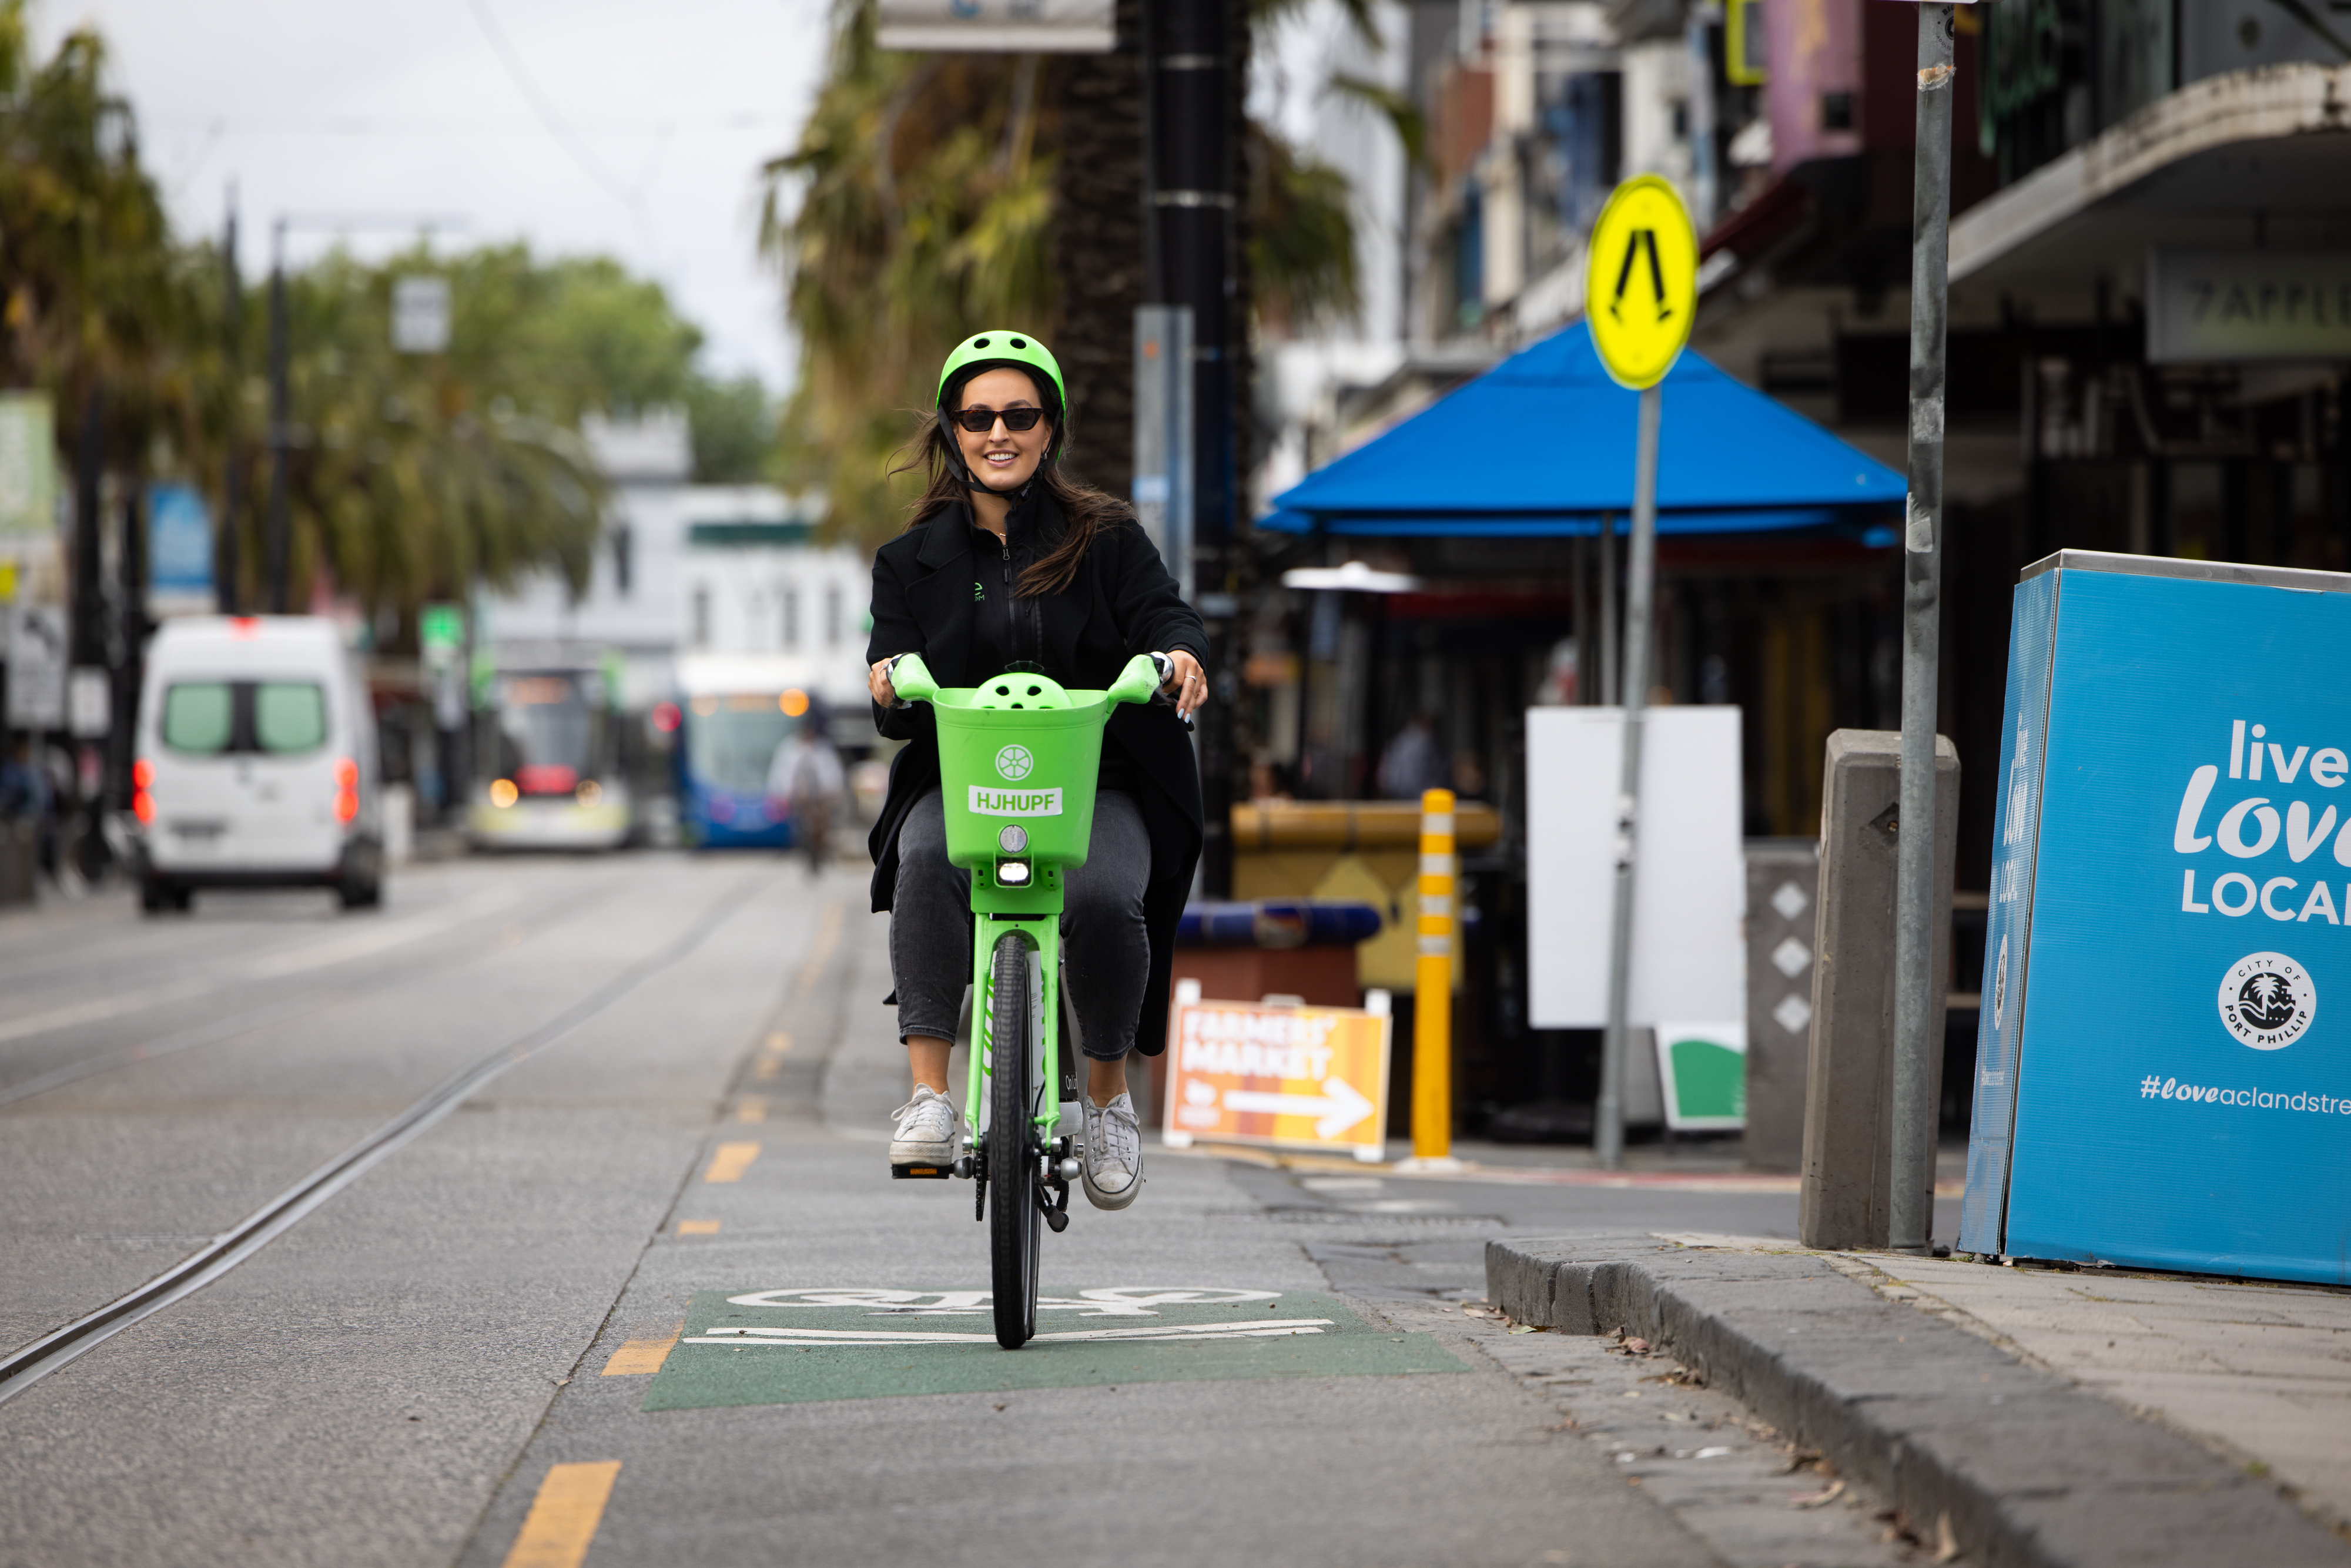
pixel 334 106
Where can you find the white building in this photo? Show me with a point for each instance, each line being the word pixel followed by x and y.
pixel 688 569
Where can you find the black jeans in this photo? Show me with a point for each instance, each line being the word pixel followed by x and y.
pixel 1105 947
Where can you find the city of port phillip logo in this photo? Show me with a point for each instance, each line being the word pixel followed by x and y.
pixel 1015 763
pixel 2267 1001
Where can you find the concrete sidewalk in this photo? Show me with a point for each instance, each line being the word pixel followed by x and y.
pixel 2027 1414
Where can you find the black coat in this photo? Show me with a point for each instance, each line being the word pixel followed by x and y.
pixel 1121 603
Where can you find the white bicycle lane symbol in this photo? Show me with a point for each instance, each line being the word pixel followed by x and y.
pixel 1129 1302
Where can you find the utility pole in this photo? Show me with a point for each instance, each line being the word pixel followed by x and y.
pixel 225 562
pixel 1190 68
pixel 279 545
pixel 1910 1204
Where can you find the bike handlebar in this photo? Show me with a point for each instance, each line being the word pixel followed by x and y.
pixel 912 681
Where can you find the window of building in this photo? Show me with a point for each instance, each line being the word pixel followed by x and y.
pixel 702 615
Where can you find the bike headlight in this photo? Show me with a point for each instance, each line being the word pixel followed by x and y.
pixel 1012 874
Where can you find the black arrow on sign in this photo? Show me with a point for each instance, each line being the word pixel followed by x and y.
pixel 1633 243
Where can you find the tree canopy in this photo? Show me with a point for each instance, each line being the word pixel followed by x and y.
pixel 919 205
pixel 410 477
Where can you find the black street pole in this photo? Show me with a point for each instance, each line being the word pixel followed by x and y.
pixel 88 638
pixel 280 545
pixel 1192 182
pixel 226 564
pixel 87 641
pixel 126 649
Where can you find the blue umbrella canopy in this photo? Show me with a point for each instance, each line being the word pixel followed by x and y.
pixel 1543 444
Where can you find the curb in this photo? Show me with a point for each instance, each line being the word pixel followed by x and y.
pixel 2028 1470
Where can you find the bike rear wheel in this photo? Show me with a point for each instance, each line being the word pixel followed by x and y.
pixel 1015 1224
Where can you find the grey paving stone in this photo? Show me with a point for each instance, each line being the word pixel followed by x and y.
pixel 2023 1468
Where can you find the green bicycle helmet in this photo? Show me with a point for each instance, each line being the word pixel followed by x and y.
pixel 1000 349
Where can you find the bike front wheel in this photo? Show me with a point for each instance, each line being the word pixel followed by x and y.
pixel 1015 1224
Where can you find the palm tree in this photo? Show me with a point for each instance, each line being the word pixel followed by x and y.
pixel 933 194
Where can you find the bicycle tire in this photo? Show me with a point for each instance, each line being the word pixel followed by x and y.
pixel 1015 1224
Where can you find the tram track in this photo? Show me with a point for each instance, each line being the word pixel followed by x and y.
pixel 545 915
pixel 23 1368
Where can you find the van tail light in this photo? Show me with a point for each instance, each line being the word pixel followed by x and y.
pixel 347 790
pixel 142 799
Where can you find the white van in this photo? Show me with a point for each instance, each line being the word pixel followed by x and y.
pixel 256 763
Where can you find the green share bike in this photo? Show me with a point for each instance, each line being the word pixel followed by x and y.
pixel 1018 760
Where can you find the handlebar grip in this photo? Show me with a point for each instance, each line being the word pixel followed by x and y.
pixel 1137 682
pixel 912 679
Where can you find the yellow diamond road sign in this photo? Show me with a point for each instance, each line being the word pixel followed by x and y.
pixel 1640 292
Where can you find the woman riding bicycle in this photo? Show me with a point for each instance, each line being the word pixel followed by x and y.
pixel 1010 566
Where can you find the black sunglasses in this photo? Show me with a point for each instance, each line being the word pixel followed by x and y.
pixel 980 421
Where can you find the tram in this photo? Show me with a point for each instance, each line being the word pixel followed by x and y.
pixel 548 771
pixel 733 714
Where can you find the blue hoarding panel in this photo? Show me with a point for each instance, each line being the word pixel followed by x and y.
pixel 2182 1076
pixel 2015 832
pixel 179 541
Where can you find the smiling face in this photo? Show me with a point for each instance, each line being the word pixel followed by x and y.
pixel 1002 458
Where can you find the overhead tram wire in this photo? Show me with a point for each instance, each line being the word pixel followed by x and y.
pixel 557 126
pixel 21 1369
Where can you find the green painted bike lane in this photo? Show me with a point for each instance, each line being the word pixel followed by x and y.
pixel 792 1345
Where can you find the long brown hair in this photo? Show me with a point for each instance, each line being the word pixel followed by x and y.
pixel 1085 511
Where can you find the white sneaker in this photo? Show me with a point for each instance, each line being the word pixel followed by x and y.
pixel 1114 1162
pixel 925 1130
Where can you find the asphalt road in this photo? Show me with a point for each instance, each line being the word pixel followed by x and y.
pixel 647 1296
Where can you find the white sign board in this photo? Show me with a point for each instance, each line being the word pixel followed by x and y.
pixel 1689 885
pixel 2208 305
pixel 420 315
pixel 36 667
pixel 89 703
pixel 28 480
pixel 998 26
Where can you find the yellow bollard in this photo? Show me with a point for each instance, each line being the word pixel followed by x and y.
pixel 1432 1007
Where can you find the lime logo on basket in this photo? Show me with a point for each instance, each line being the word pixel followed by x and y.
pixel 1015 763
pixel 2267 1001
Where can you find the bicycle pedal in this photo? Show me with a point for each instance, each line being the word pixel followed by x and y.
pixel 926 1171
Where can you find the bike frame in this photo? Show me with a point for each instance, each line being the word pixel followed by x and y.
pixel 1035 913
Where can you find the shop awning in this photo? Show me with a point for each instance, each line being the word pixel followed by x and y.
pixel 1542 445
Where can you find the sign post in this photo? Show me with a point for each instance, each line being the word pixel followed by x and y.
pixel 1640 296
pixel 1910 1206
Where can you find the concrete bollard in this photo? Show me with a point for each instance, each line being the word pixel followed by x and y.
pixel 1849 1079
pixel 1783 919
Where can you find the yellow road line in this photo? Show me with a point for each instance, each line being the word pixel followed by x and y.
pixel 564 1516
pixel 752 1108
pixel 779 1043
pixel 643 1357
pixel 730 1162
pixel 698 1228
pixel 827 938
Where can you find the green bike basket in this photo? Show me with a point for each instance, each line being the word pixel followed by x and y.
pixel 1021 751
